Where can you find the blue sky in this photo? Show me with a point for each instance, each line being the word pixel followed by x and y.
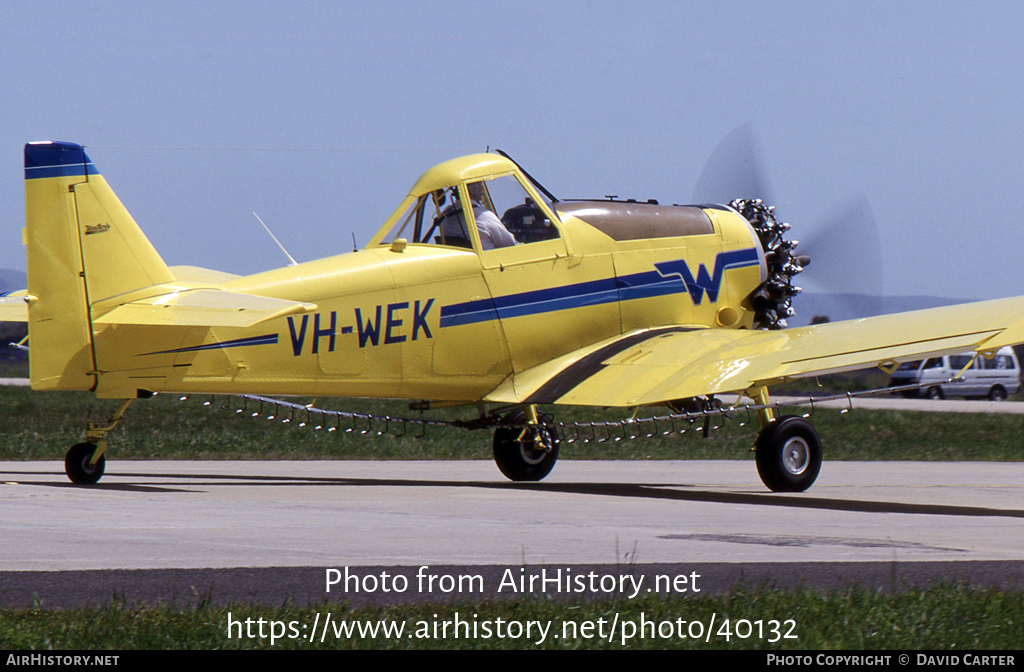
pixel 320 115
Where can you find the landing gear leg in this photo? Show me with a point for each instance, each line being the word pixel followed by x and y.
pixel 525 453
pixel 761 398
pixel 787 452
pixel 84 463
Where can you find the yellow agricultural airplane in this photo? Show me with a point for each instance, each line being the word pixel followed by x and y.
pixel 603 303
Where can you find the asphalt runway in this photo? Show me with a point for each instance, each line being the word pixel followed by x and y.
pixel 269 531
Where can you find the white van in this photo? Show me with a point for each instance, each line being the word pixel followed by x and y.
pixel 995 378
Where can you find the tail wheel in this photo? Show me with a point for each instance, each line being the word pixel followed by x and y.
pixel 788 455
pixel 525 453
pixel 77 464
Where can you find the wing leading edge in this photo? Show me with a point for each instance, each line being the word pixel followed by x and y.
pixel 657 365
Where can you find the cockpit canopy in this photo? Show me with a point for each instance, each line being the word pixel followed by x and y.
pixel 504 208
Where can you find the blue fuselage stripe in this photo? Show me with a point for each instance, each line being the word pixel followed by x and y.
pixel 595 292
pixel 646 285
pixel 590 293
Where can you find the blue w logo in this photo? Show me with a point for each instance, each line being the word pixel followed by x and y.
pixel 704 282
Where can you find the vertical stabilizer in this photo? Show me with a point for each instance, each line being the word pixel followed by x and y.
pixel 83 247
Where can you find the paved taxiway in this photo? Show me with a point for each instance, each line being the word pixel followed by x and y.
pixel 270 516
pixel 157 514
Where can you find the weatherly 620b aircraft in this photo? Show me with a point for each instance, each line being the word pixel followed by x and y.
pixel 482 290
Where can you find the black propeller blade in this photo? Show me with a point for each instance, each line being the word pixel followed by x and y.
pixel 846 257
pixel 845 249
pixel 734 170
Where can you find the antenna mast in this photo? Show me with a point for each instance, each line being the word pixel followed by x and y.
pixel 291 261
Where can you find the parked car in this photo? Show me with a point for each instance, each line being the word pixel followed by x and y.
pixel 995 378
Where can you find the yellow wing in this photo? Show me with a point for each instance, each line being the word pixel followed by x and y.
pixel 203 308
pixel 13 307
pixel 668 363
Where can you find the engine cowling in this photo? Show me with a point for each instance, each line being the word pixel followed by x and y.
pixel 773 299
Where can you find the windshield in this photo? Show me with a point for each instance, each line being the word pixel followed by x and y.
pixel 506 197
pixel 420 222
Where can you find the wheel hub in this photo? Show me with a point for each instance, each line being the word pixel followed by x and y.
pixel 796 455
pixel 535 448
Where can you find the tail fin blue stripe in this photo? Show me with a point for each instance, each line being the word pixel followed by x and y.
pixel 56 159
pixel 38 172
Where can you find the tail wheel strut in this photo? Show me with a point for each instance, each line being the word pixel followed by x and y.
pixel 85 463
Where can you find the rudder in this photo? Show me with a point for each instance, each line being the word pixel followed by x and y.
pixel 83 248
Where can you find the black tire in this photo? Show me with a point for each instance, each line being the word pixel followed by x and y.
pixel 77 467
pixel 935 393
pixel 788 454
pixel 522 460
pixel 997 393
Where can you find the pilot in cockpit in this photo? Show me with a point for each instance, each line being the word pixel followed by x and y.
pixel 492 232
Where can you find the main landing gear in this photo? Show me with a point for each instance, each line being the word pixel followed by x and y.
pixel 788 454
pixel 84 463
pixel 525 453
pixel 787 451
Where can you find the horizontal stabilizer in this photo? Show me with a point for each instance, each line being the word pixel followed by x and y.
pixel 197 274
pixel 13 307
pixel 203 308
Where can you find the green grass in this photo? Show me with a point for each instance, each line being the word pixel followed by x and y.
pixel 38 425
pixel 942 618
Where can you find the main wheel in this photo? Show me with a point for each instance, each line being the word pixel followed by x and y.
pixel 530 459
pixel 77 467
pixel 997 393
pixel 788 454
pixel 935 392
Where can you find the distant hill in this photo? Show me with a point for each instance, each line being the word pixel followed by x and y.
pixel 12 280
pixel 838 307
